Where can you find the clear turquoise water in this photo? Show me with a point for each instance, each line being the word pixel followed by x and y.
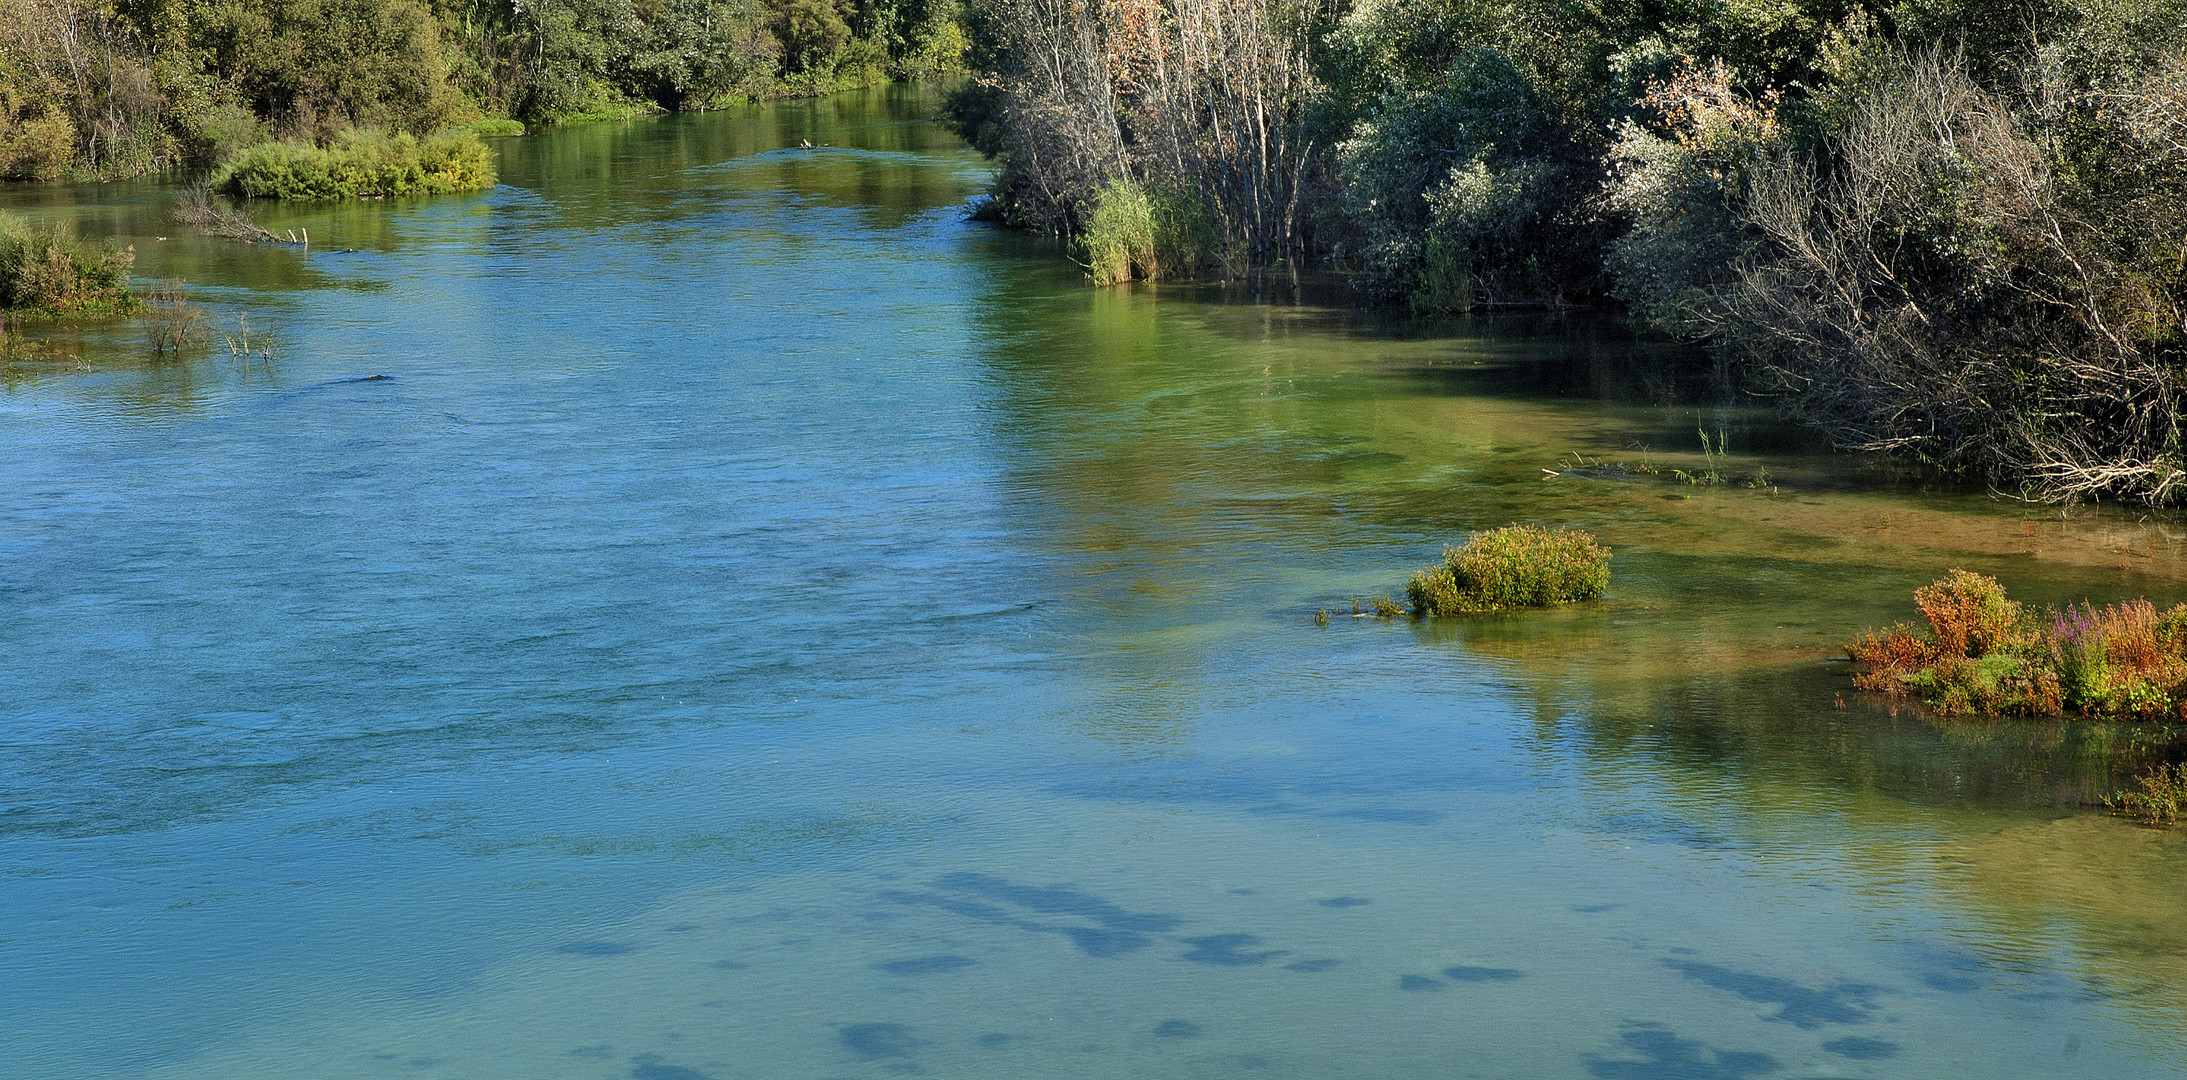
pixel 704 609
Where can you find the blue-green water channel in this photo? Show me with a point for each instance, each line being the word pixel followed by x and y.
pixel 705 609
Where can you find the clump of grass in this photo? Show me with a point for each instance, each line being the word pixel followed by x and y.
pixel 1515 566
pixel 1985 653
pixel 2162 796
pixel 1134 231
pixel 51 272
pixel 361 163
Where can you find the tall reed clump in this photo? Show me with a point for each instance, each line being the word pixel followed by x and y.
pixel 361 163
pixel 50 272
pixel 1985 653
pixel 1515 566
pixel 1135 232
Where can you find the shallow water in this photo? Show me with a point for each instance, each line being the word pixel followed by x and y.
pixel 704 609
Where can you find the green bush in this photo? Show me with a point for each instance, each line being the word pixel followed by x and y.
pixel 1470 192
pixel 361 164
pixel 49 272
pixel 2161 800
pixel 1515 566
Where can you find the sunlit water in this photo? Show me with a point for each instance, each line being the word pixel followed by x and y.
pixel 705 609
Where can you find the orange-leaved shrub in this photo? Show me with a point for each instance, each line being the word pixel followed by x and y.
pixel 1985 653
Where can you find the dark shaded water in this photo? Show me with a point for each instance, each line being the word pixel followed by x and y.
pixel 703 609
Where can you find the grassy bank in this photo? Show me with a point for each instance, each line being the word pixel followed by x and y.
pixel 99 89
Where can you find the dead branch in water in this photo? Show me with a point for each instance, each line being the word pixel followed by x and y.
pixel 198 209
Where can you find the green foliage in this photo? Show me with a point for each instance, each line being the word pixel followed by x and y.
pixel 1515 566
pixel 1134 233
pixel 50 272
pixel 314 67
pixel 1471 191
pixel 2161 799
pixel 108 88
pixel 1682 181
pixel 361 163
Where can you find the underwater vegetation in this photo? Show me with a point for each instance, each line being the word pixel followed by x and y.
pixel 1512 567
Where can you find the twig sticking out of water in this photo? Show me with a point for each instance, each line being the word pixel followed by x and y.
pixel 198 209
pixel 246 344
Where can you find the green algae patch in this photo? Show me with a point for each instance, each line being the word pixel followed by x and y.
pixel 361 164
pixel 51 272
pixel 1516 566
pixel 1985 653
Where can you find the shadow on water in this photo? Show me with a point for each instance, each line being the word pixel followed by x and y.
pixel 1662 1055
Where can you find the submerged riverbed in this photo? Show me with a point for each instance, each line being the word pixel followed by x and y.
pixel 705 609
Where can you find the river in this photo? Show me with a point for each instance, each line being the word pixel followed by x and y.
pixel 705 609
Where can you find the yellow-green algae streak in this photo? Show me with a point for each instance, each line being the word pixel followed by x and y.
pixel 765 625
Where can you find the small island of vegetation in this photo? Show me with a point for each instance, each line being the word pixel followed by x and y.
pixel 360 163
pixel 1984 653
pixel 1513 567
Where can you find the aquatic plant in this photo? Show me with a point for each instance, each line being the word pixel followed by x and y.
pixel 2162 795
pixel 171 321
pixel 1714 454
pixel 1985 653
pixel 1133 231
pixel 246 344
pixel 51 272
pixel 360 164
pixel 1515 566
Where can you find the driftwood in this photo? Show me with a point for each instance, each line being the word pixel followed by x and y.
pixel 198 209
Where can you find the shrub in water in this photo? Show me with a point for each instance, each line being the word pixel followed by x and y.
pixel 52 273
pixel 361 163
pixel 1515 566
pixel 2162 796
pixel 1985 653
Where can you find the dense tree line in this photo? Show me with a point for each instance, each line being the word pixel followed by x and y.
pixel 109 88
pixel 1951 228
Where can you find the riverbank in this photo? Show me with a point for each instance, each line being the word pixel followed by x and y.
pixel 1928 233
